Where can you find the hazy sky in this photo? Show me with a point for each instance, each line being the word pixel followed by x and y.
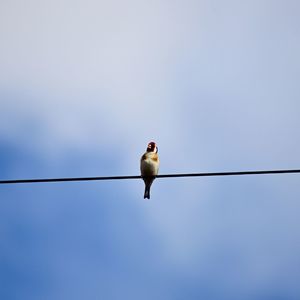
pixel 85 85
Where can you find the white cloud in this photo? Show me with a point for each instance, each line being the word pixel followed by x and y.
pixel 215 85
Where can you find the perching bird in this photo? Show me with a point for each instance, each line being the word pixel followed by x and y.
pixel 149 167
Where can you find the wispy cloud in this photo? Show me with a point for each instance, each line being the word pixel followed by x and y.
pixel 84 87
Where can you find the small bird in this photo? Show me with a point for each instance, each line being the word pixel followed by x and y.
pixel 149 167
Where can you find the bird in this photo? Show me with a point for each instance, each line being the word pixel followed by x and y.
pixel 149 167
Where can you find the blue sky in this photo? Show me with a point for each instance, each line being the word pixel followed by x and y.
pixel 85 85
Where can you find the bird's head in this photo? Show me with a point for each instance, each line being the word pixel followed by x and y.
pixel 152 147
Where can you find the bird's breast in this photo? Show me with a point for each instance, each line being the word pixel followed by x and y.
pixel 149 166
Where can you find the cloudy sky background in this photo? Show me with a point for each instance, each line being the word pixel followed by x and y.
pixel 84 85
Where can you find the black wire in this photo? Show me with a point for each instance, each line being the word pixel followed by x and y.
pixel 14 181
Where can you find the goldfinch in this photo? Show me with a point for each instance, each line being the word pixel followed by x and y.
pixel 149 167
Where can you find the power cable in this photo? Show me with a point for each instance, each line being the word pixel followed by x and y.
pixel 15 181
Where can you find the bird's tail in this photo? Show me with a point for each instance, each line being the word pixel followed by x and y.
pixel 148 183
pixel 147 192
